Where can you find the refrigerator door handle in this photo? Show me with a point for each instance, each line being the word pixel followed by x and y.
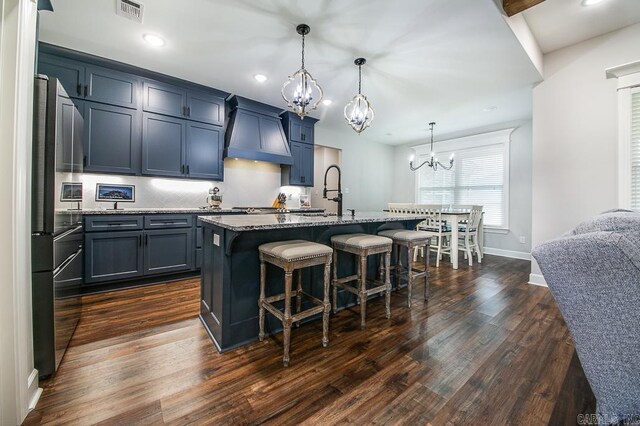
pixel 70 231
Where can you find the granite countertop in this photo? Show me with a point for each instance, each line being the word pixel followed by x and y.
pixel 193 210
pixel 283 221
pixel 184 210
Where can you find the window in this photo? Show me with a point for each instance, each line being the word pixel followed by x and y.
pixel 628 77
pixel 635 148
pixel 480 175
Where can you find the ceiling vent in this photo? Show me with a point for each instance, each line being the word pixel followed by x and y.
pixel 130 9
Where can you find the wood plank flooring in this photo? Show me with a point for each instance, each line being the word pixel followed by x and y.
pixel 486 349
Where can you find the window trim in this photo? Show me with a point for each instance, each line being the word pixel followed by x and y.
pixel 502 137
pixel 628 81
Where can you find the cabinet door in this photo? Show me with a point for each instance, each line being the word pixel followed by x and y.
pixel 113 256
pixel 205 107
pixel 112 139
pixel 65 129
pixel 204 151
pixel 306 132
pixel 111 87
pixel 164 99
pixel 168 250
pixel 163 145
pixel 306 172
pixel 295 171
pixel 69 72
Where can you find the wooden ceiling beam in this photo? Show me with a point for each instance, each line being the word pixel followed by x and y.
pixel 512 7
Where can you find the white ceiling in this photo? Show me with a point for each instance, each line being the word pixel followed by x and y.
pixel 427 60
pixel 559 23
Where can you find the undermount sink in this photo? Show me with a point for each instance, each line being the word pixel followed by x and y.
pixel 316 214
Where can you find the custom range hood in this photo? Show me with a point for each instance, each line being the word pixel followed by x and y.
pixel 255 133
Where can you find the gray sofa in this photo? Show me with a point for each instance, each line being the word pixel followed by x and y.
pixel 594 275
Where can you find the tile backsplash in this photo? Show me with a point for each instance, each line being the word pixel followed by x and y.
pixel 246 183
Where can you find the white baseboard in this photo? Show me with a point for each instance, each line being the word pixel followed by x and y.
pixel 537 279
pixel 507 253
pixel 34 390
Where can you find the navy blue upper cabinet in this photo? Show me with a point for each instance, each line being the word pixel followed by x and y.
pixel 298 129
pixel 300 134
pixel 164 99
pixel 69 72
pixel 205 107
pixel 111 87
pixel 163 145
pixel 205 146
pixel 112 139
pixel 97 84
pixel 175 101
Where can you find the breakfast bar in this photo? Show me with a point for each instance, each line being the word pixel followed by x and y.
pixel 231 266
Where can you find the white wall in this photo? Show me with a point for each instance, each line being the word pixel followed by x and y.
pixel 367 168
pixel 519 187
pixel 575 134
pixel 18 379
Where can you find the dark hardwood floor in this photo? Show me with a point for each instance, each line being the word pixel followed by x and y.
pixel 487 349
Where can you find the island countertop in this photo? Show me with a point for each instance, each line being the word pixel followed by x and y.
pixel 293 220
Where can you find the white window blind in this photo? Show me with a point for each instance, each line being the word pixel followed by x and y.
pixel 478 177
pixel 635 149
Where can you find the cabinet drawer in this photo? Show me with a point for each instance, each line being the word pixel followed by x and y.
pixel 168 221
pixel 112 223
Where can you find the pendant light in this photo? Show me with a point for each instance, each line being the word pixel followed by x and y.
pixel 433 160
pixel 358 112
pixel 301 92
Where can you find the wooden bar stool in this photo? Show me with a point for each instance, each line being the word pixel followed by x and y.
pixel 290 256
pixel 411 240
pixel 362 245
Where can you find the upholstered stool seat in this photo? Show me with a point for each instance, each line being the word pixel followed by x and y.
pixel 363 246
pixel 411 240
pixel 290 256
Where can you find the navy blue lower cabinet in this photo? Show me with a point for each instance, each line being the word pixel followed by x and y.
pixel 205 146
pixel 113 256
pixel 163 145
pixel 168 250
pixel 112 139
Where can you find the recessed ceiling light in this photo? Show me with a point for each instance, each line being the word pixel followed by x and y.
pixel 591 2
pixel 260 78
pixel 327 102
pixel 153 40
pixel 490 108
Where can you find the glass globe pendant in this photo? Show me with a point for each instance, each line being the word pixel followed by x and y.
pixel 301 91
pixel 358 112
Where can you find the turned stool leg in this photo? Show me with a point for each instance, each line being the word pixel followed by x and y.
pixel 398 267
pixel 409 274
pixel 287 316
pixel 327 306
pixel 299 295
pixel 387 281
pixel 362 289
pixel 334 283
pixel 261 310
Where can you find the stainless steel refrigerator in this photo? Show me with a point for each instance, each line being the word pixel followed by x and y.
pixel 57 235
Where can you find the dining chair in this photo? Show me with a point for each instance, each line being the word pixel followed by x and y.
pixel 400 207
pixel 468 232
pixel 435 226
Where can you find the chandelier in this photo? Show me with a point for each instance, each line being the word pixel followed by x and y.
pixel 433 160
pixel 301 92
pixel 358 111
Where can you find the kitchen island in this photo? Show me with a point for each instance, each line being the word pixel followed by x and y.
pixel 230 268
